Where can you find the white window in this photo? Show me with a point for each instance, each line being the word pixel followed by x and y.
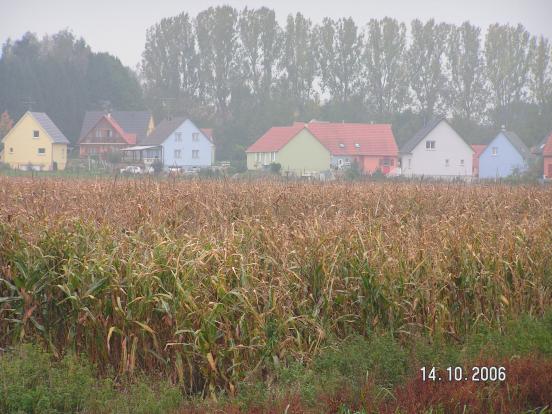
pixel 195 154
pixel 447 162
pixel 36 134
pixel 258 157
pixel 11 150
pixel 430 145
pixel 178 136
pixel 98 133
pixel 195 136
pixel 494 151
pixel 462 162
pixel 177 153
pixel 109 133
pixel 41 151
pixel 340 162
pixel 273 156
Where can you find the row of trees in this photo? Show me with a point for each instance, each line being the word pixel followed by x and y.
pixel 60 75
pixel 242 72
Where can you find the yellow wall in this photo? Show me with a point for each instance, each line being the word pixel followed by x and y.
pixel 25 147
pixel 304 153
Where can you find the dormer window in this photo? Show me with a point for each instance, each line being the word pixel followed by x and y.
pixel 357 145
pixel 430 145
pixel 341 145
pixel 36 134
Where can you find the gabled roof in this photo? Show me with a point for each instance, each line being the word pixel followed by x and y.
pixel 163 130
pixel 167 127
pixel 478 149
pixel 275 138
pixel 51 129
pixel 409 145
pixel 355 139
pixel 129 138
pixel 338 138
pixel 134 122
pixel 517 143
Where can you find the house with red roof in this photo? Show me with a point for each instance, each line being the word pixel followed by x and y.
pixel 477 151
pixel 547 157
pixel 105 136
pixel 316 147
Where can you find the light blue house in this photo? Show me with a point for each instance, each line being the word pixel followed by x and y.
pixel 506 154
pixel 176 142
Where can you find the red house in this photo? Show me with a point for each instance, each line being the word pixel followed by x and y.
pixel 547 157
pixel 105 136
pixel 371 146
pixel 477 151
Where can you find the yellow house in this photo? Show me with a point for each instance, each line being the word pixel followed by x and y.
pixel 35 142
pixel 295 148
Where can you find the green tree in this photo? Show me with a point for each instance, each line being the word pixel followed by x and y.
pixel 339 49
pixel 385 67
pixel 425 65
pixel 217 38
pixel 467 95
pixel 508 58
pixel 298 65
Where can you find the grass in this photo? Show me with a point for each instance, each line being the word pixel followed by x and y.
pixel 209 284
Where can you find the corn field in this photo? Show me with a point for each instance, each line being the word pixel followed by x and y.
pixel 209 282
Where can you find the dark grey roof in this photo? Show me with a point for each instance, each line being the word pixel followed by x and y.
pixel 134 122
pixel 50 128
pixel 163 130
pixel 517 143
pixel 409 145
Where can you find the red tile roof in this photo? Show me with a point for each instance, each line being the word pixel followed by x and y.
pixel 338 138
pixel 208 133
pixel 478 150
pixel 275 138
pixel 547 150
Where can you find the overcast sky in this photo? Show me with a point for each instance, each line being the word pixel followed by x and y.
pixel 119 26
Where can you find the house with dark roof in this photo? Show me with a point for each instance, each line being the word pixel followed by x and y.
pixel 105 136
pixel 316 147
pixel 175 142
pixel 139 123
pixel 505 155
pixel 437 150
pixel 35 142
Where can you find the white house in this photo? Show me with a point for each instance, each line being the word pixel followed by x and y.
pixel 176 142
pixel 437 151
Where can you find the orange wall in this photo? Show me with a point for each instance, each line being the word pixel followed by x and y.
pixel 372 163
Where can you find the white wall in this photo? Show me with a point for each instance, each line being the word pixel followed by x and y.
pixel 448 146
